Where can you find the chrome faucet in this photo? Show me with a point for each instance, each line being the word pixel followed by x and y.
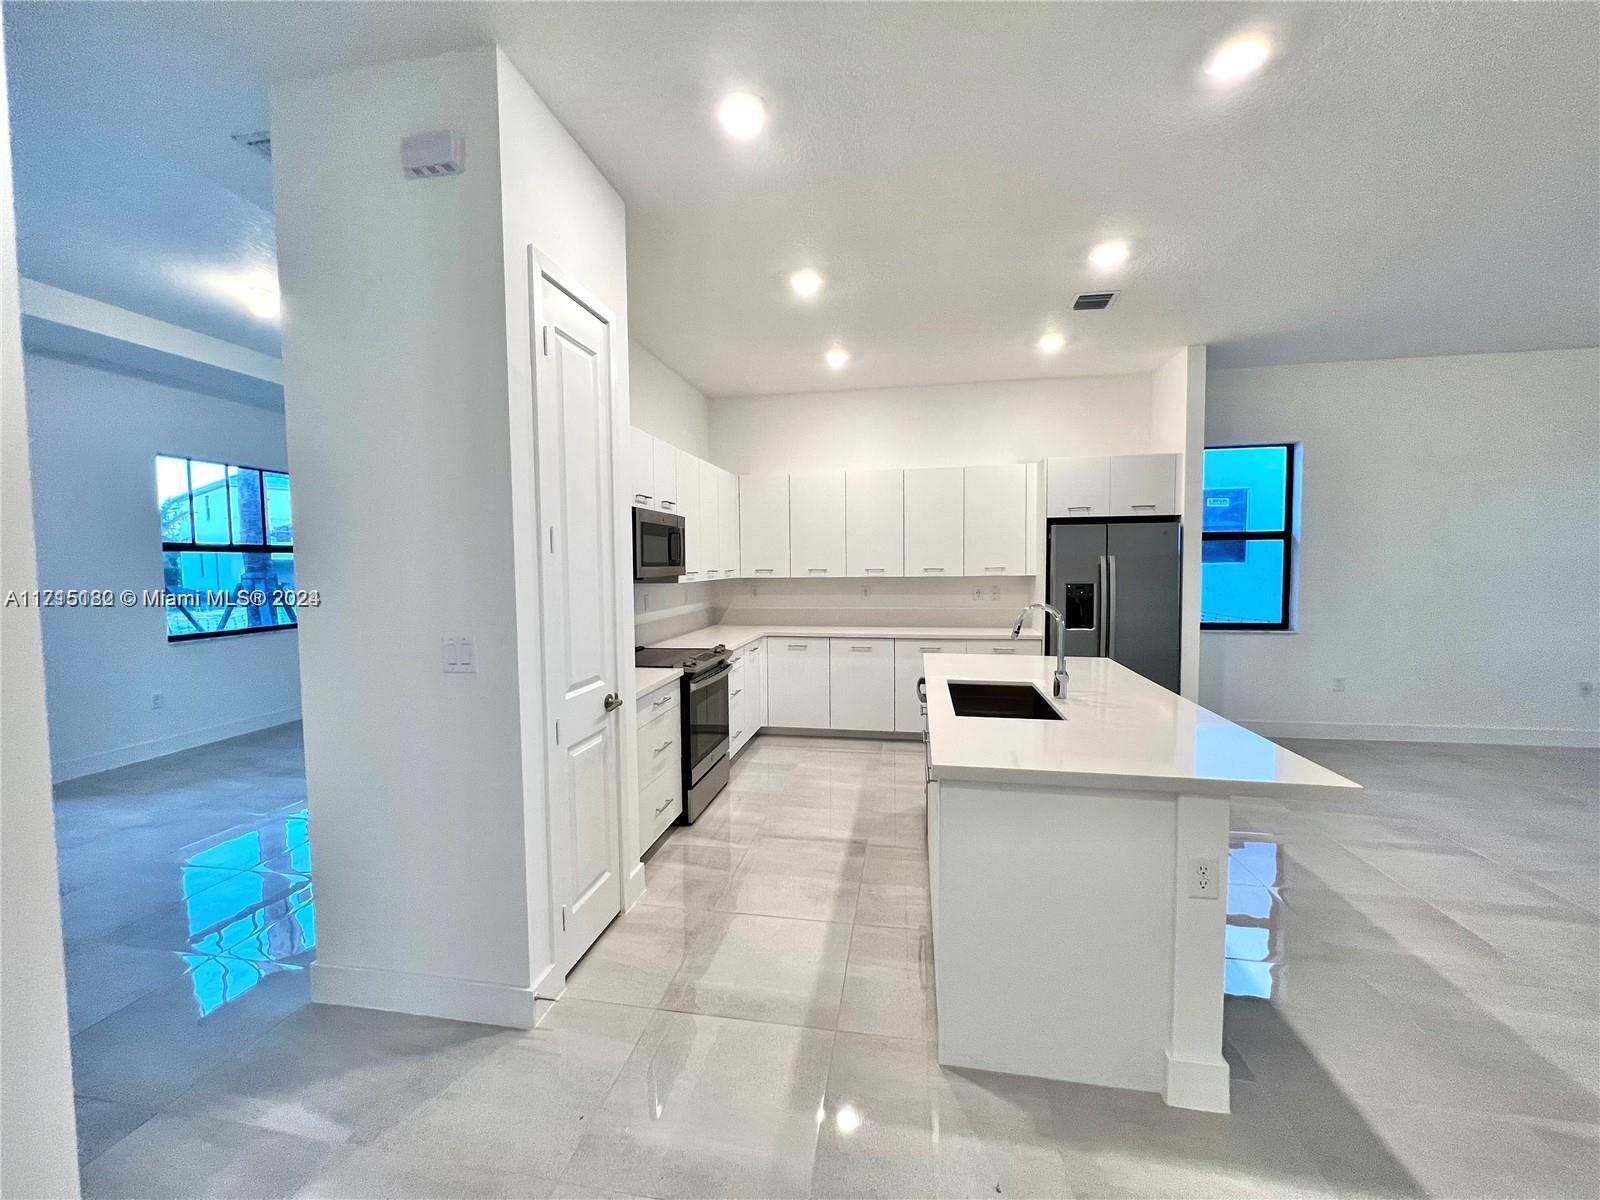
pixel 1060 688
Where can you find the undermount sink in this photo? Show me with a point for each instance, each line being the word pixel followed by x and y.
pixel 1007 701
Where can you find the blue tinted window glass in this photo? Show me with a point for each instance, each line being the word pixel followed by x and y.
pixel 172 495
pixel 1241 582
pixel 208 484
pixel 1246 488
pixel 217 591
pixel 280 515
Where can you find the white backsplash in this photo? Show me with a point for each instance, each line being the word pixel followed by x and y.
pixel 954 602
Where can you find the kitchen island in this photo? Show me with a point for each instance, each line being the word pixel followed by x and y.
pixel 1078 871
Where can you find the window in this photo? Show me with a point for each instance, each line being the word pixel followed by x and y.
pixel 227 538
pixel 1247 537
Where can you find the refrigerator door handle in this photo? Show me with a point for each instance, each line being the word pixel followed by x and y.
pixel 1111 606
pixel 1102 614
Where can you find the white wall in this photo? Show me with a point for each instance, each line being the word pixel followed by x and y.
pixel 38 1147
pixel 666 404
pixel 1178 418
pixel 949 425
pixel 1448 568
pixel 408 389
pixel 96 434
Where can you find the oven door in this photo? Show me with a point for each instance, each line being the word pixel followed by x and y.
pixel 707 721
pixel 657 544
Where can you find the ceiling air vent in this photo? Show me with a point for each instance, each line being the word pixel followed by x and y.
pixel 260 142
pixel 1093 301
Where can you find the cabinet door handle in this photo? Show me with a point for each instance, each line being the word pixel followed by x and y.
pixel 861 649
pixel 993 569
pixel 663 748
pixel 764 570
pixel 660 702
pixel 1080 507
pixel 933 570
pixel 929 649
pixel 874 570
pixel 816 570
pixel 735 692
pixel 1150 506
pixel 798 646
pixel 643 497
pixel 665 804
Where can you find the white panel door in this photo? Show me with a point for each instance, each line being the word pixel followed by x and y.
pixel 935 534
pixel 797 683
pixel 666 475
pixel 578 584
pixel 642 467
pixel 997 520
pixel 1144 485
pixel 1077 487
pixel 875 523
pixel 861 684
pixel 907 670
pixel 728 522
pixel 816 525
pixel 694 527
pixel 764 526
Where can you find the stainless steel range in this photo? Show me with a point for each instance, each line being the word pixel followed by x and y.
pixel 705 718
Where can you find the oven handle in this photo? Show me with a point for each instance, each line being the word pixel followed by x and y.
pixel 701 682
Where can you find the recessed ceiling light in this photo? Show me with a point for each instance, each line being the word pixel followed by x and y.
pixel 805 283
pixel 1238 58
pixel 742 115
pixel 848 1119
pixel 1051 342
pixel 837 357
pixel 1108 256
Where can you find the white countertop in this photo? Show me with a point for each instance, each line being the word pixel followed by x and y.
pixel 735 636
pixel 647 679
pixel 1119 731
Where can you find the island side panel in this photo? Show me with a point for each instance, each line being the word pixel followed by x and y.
pixel 1197 1076
pixel 1053 937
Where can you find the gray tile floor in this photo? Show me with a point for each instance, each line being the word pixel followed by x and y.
pixel 1413 1009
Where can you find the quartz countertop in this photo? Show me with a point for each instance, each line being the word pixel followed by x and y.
pixel 736 636
pixel 1119 731
pixel 647 679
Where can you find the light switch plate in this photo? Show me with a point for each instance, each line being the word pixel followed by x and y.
pixel 460 656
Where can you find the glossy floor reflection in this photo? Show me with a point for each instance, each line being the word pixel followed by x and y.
pixel 1412 1006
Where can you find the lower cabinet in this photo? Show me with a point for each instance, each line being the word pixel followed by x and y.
pixel 797 683
pixel 742 713
pixel 908 656
pixel 660 751
pixel 861 684
pixel 756 674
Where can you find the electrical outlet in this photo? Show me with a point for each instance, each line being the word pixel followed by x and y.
pixel 1338 683
pixel 157 699
pixel 1585 688
pixel 1205 877
pixel 977 592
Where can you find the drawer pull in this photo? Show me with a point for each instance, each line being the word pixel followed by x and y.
pixel 663 748
pixel 874 570
pixel 816 570
pixel 798 646
pixel 641 496
pixel 861 649
pixel 933 570
pixel 665 804
pixel 660 702
pixel 735 692
pixel 993 569
pixel 929 649
pixel 1079 507
pixel 764 570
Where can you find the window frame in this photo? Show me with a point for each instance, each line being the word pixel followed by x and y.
pixel 1285 537
pixel 230 547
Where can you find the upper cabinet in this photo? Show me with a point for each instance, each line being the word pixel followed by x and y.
pixel 934 523
pixel 875 522
pixel 1121 485
pixel 816 525
pixel 997 520
pixel 764 526
pixel 642 467
pixel 666 475
pixel 727 523
pixel 698 533
pixel 1144 485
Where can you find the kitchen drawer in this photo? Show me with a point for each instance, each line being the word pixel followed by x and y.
pixel 660 744
pixel 660 804
pixel 908 655
pixel 861 684
pixel 664 698
pixel 797 683
pixel 741 712
pixel 1026 645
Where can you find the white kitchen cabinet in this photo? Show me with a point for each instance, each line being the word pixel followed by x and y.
pixel 756 670
pixel 997 519
pixel 665 458
pixel 728 523
pixel 934 524
pixel 908 655
pixel 875 523
pixel 1022 645
pixel 816 525
pixel 708 513
pixel 1077 487
pixel 660 752
pixel 861 684
pixel 797 683
pixel 642 467
pixel 695 557
pixel 1143 485
pixel 764 526
pixel 741 720
pixel 1034 527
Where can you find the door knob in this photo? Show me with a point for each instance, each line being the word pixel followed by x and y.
pixel 613 702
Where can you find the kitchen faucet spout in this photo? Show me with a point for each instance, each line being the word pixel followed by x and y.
pixel 1060 685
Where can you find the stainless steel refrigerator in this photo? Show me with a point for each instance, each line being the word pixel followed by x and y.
pixel 1118 585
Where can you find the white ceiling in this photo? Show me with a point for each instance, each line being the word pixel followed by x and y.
pixel 1403 179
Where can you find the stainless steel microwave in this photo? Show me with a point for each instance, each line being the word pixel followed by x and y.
pixel 657 544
